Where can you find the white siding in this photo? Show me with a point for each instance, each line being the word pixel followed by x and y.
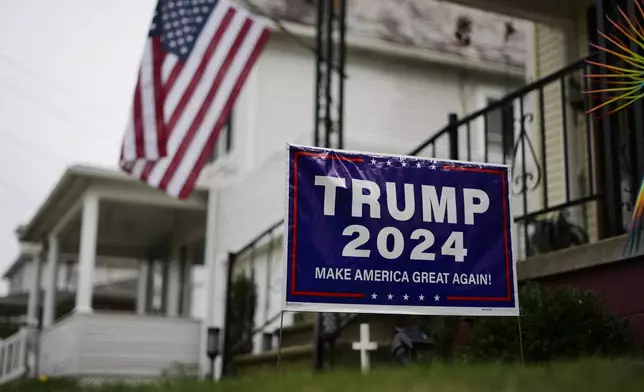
pixel 59 348
pixel 119 345
pixel 391 106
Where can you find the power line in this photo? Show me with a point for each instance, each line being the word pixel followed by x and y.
pixel 54 110
pixel 46 81
pixel 6 135
pixel 20 195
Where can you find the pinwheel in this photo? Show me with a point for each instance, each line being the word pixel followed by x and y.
pixel 624 84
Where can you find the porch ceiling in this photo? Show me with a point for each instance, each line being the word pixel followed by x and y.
pixel 534 10
pixel 132 216
pixel 132 230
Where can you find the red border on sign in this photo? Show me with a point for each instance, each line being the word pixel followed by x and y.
pixel 294 232
pixel 506 231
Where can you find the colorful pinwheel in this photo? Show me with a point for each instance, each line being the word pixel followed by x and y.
pixel 623 85
pixel 634 239
pixel 626 84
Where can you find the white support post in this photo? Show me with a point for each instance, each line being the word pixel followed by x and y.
pixel 174 281
pixel 34 288
pixel 216 267
pixel 87 253
pixel 142 287
pixel 49 308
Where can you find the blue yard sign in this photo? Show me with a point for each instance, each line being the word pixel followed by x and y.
pixel 370 233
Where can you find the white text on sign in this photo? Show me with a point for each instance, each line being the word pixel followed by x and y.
pixel 435 208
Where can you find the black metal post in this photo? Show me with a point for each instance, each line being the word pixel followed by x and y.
pixel 318 69
pixel 452 119
pixel 318 352
pixel 328 68
pixel 342 21
pixel 226 352
pixel 612 209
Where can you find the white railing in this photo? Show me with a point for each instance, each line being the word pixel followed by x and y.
pixel 13 352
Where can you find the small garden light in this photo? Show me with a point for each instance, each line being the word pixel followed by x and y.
pixel 213 347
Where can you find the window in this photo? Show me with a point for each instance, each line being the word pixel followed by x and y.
pixel 224 142
pixel 500 130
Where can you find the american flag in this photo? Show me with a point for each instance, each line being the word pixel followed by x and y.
pixel 196 59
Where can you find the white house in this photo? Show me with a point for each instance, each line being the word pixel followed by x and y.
pixel 409 65
pixel 406 71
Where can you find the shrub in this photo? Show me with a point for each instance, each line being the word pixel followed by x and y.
pixel 559 323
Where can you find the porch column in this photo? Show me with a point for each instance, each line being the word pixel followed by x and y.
pixel 216 265
pixel 87 254
pixel 34 287
pixel 186 288
pixel 142 287
pixel 49 309
pixel 174 281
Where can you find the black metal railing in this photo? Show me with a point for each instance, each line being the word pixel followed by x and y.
pixel 244 297
pixel 542 131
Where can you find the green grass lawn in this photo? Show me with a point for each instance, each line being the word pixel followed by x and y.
pixel 582 376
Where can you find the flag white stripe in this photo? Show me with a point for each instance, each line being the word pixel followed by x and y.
pixel 198 97
pixel 169 62
pixel 137 169
pixel 214 112
pixel 192 63
pixel 148 109
pixel 129 140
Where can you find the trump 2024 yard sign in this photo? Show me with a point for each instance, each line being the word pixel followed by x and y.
pixel 370 233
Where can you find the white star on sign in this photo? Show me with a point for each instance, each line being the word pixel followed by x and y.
pixel 406 297
pixel 433 167
pixel 421 297
pixel 373 161
pixel 390 297
pixel 374 296
pixel 388 163
pixel 418 165
pixel 437 298
pixel 404 164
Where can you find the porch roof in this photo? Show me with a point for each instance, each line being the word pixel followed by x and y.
pixel 66 196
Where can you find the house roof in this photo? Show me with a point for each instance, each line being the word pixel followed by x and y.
pixel 15 266
pixel 69 188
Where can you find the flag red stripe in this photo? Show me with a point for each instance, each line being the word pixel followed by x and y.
pixel 196 123
pixel 159 97
pixel 138 121
pixel 191 181
pixel 196 78
pixel 145 174
pixel 174 75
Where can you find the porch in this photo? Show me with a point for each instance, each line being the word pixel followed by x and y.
pixel 137 326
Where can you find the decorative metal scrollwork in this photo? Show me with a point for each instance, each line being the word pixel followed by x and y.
pixel 526 180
